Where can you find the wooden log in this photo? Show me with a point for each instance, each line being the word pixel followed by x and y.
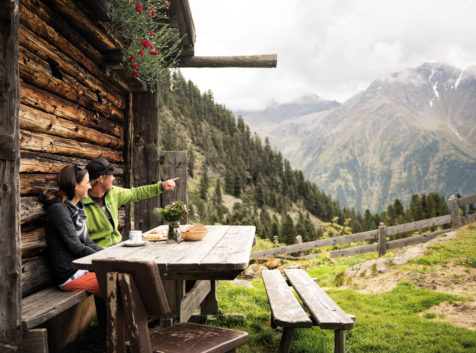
pixel 35 275
pixel 35 120
pixel 382 239
pixel 146 154
pixel 124 79
pixel 175 165
pixel 455 214
pixel 371 234
pixel 230 61
pixel 32 141
pixel 38 162
pixel 44 30
pixel 53 104
pixel 181 18
pixel 127 175
pixel 417 225
pixel 400 243
pixel 31 209
pixel 100 9
pixel 83 24
pixel 467 200
pixel 37 183
pixel 33 242
pixel 354 251
pixel 39 73
pixel 47 52
pixel 10 268
pixel 299 241
pixel 468 219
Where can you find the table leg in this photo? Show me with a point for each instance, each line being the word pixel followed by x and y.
pixel 175 291
pixel 210 304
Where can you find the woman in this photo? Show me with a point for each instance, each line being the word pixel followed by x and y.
pixel 67 232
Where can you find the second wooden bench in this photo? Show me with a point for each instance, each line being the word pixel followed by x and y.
pixel 288 313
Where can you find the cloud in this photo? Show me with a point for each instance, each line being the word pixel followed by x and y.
pixel 332 48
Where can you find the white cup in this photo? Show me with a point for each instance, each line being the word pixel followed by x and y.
pixel 135 236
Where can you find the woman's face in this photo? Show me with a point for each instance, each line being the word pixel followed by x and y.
pixel 82 188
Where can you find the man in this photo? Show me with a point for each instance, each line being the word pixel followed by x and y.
pixel 101 207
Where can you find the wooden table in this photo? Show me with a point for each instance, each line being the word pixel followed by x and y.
pixel 222 254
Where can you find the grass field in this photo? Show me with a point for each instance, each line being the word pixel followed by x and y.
pixel 386 322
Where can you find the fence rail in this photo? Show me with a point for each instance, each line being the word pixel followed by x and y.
pixel 381 235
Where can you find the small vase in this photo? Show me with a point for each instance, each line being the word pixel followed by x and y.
pixel 174 235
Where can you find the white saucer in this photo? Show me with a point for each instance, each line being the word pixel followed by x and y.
pixel 134 243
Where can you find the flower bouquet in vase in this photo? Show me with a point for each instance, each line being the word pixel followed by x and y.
pixel 172 214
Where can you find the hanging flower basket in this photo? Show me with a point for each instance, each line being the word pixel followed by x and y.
pixel 151 45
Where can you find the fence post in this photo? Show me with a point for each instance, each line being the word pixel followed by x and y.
pixel 299 241
pixel 382 239
pixel 454 208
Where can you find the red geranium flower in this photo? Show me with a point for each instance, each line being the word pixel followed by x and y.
pixel 139 8
pixel 134 66
pixel 132 58
pixel 141 52
pixel 135 73
pixel 145 43
pixel 152 13
pixel 169 3
pixel 153 52
pixel 151 33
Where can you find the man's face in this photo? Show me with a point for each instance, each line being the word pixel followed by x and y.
pixel 107 181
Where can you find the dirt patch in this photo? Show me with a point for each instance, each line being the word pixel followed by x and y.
pixel 458 314
pixel 383 274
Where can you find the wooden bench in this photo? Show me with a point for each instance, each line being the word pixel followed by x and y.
pixel 38 308
pixel 134 292
pixel 288 313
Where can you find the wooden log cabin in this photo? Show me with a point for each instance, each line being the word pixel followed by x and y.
pixel 64 98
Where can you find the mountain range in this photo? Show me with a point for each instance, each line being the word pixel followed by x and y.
pixel 410 132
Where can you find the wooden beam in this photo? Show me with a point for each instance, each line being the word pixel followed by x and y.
pixel 181 17
pixel 145 163
pixel 175 165
pixel 270 60
pixel 10 250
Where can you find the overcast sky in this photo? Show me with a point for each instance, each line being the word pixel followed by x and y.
pixel 331 48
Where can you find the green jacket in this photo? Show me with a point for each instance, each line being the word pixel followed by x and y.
pixel 101 231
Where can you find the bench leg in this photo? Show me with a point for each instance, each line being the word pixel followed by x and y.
pixel 339 341
pixel 286 340
pixel 35 341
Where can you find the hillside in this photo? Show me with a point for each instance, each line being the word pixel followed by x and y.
pixel 235 177
pixel 411 132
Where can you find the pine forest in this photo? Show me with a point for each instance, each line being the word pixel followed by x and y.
pixel 236 178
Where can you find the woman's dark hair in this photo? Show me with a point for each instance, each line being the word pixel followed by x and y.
pixel 68 177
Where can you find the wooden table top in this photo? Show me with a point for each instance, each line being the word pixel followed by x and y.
pixel 222 254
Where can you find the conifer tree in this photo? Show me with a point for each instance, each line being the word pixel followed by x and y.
pixel 288 232
pixel 204 181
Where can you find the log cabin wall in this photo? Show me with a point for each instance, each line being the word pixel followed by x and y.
pixel 70 112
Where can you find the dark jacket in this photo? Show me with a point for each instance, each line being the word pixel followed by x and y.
pixel 67 238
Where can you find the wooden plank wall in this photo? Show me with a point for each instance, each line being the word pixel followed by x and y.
pixel 70 112
pixel 10 294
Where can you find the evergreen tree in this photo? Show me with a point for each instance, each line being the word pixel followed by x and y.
pixel 288 232
pixel 218 196
pixel 237 185
pixel 229 182
pixel 204 182
pixel 190 162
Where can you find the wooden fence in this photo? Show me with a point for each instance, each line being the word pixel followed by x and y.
pixel 381 235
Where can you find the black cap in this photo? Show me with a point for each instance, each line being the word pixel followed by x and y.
pixel 99 166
